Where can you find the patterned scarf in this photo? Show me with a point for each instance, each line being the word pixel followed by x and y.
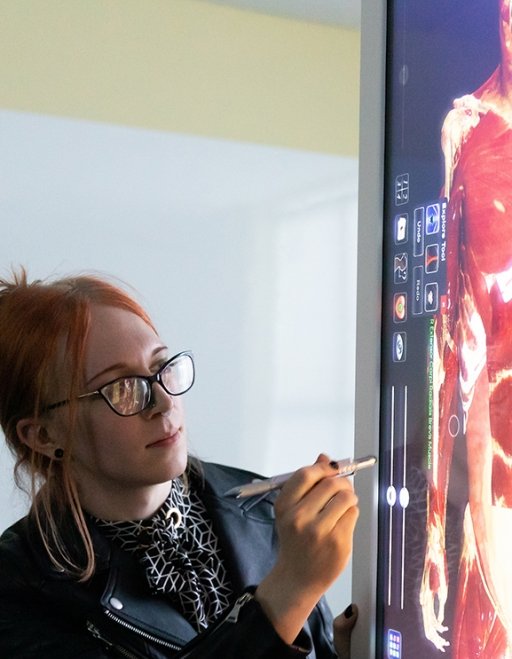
pixel 180 554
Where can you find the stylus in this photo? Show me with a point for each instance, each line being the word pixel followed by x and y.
pixel 346 467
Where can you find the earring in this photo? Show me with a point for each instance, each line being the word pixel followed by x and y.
pixel 58 453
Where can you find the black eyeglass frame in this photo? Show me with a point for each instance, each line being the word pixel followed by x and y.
pixel 150 379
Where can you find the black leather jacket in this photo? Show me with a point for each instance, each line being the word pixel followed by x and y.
pixel 45 614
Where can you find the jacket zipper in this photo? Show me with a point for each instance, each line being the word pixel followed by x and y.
pixel 95 632
pixel 148 637
pixel 232 617
pixel 140 632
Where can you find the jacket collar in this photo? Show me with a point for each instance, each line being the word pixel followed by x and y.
pixel 245 527
pixel 246 534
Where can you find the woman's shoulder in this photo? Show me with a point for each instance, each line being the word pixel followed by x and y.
pixel 235 475
pixel 220 478
pixel 17 546
pixel 14 539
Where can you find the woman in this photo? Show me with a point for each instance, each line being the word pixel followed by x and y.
pixel 130 548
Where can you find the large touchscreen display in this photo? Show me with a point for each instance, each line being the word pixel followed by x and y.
pixel 445 521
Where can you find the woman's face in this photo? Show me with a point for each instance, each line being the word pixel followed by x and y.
pixel 123 465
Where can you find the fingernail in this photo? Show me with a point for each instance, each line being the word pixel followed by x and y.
pixel 349 611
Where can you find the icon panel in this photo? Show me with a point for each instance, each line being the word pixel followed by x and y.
pixel 394 644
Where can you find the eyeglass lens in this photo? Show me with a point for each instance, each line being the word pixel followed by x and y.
pixel 131 395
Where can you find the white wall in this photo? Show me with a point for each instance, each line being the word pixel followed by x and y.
pixel 243 253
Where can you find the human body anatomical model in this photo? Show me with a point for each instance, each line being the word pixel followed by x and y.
pixel 473 368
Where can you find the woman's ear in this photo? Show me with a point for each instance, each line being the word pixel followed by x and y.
pixel 32 433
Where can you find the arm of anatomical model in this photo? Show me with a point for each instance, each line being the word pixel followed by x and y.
pixel 457 126
pixel 480 460
pixel 434 584
pixel 445 372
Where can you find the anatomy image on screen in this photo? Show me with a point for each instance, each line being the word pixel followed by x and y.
pixel 473 373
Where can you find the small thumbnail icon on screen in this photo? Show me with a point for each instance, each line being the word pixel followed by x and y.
pixel 432 258
pixel 400 307
pixel 417 289
pixel 419 222
pixel 399 346
pixel 394 644
pixel 432 222
pixel 401 189
pixel 400 268
pixel 431 297
pixel 401 222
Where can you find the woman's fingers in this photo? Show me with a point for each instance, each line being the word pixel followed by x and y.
pixel 304 479
pixel 316 513
pixel 316 491
pixel 343 626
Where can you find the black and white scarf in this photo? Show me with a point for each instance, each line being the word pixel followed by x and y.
pixel 180 554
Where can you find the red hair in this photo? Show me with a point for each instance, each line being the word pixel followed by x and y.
pixel 36 320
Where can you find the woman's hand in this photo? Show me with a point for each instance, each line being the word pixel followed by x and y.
pixel 316 513
pixel 343 626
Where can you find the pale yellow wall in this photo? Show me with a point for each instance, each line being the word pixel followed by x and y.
pixel 185 66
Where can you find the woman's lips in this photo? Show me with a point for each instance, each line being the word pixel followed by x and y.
pixel 167 440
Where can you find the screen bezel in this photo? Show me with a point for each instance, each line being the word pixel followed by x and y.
pixel 369 305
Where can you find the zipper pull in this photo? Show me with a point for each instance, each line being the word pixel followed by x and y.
pixel 239 604
pixel 97 634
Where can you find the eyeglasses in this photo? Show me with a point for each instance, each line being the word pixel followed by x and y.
pixel 132 394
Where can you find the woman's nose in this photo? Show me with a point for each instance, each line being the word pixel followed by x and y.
pixel 161 402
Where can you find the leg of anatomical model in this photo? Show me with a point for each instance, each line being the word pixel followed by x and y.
pixel 477 630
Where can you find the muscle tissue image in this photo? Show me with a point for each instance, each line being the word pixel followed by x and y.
pixel 473 374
